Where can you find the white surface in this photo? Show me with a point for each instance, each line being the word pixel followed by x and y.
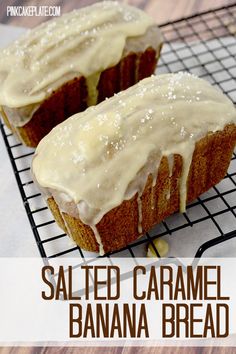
pixel 16 238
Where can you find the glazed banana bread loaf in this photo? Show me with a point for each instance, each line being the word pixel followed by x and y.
pixel 112 172
pixel 64 65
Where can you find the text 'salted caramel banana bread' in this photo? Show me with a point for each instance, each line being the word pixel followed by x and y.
pixel 69 63
pixel 112 172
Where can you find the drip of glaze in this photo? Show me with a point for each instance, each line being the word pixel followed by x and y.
pixel 154 181
pixel 153 199
pixel 92 83
pixel 168 193
pixel 171 164
pixel 98 239
pixel 140 217
pixel 170 159
pixel 154 174
pixel 67 228
pixel 184 179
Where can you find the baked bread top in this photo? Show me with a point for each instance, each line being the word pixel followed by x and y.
pixel 98 158
pixel 80 43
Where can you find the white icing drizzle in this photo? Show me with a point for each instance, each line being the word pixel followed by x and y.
pixel 153 199
pixel 168 194
pixel 92 82
pixel 155 172
pixel 140 216
pixel 98 239
pixel 154 182
pixel 104 155
pixel 67 228
pixel 184 177
pixel 80 43
pixel 170 159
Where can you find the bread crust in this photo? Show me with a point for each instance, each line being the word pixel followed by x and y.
pixel 119 226
pixel 71 97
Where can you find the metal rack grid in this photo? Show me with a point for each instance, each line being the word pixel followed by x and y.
pixel 203 44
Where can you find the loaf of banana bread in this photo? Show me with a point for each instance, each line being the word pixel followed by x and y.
pixel 112 172
pixel 69 63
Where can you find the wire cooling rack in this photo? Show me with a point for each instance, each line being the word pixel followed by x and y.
pixel 205 45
